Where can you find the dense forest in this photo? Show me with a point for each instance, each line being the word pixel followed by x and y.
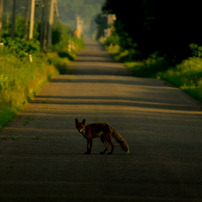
pixel 167 26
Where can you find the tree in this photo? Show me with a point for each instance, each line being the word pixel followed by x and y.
pixel 44 24
pixel 167 26
pixel 31 30
pixel 101 21
pixel 1 14
pixel 13 20
pixel 50 23
pixel 26 18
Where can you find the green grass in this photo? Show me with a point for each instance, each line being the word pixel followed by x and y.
pixel 187 75
pixel 6 115
pixel 61 63
pixel 148 67
pixel 20 80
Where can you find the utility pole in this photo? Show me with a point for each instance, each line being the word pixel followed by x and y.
pixel 26 18
pixel 51 19
pixel 79 26
pixel 1 15
pixel 57 10
pixel 13 20
pixel 44 22
pixel 31 30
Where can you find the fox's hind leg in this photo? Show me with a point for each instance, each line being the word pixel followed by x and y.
pixel 103 139
pixel 108 138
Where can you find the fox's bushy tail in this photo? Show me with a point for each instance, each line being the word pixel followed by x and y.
pixel 123 144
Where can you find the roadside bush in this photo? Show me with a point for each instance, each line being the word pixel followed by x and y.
pixel 78 43
pixel 196 50
pixel 64 43
pixel 62 64
pixel 20 80
pixel 112 40
pixel 20 47
pixel 20 77
pixel 66 54
pixel 187 76
pixel 148 67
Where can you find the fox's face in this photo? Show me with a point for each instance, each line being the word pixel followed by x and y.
pixel 80 125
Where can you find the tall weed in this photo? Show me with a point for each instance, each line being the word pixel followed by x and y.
pixel 187 76
pixel 19 81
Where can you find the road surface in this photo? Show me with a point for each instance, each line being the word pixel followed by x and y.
pixel 42 155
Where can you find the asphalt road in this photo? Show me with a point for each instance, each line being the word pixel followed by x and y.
pixel 42 154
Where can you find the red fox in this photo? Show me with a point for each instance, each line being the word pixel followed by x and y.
pixel 102 130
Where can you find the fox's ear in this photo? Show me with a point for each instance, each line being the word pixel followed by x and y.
pixel 76 121
pixel 84 121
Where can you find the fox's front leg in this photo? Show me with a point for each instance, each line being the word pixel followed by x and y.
pixel 89 146
pixel 103 139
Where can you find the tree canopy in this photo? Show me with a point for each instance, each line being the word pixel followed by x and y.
pixel 168 26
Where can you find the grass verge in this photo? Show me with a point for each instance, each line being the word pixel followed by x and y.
pixel 187 75
pixel 61 63
pixel 20 80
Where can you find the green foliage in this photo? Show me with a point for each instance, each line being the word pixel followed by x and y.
pixel 60 34
pixel 196 50
pixel 66 54
pixel 148 67
pixel 64 48
pixel 19 81
pixel 19 25
pixel 167 26
pixel 144 52
pixel 186 75
pixel 65 45
pixel 19 29
pixel 20 47
pixel 101 21
pixel 62 64
pixel 60 40
pixel 78 43
pixel 127 48
pixel 6 114
pixel 112 40
pixel 120 51
pixel 3 81
pixel 20 78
